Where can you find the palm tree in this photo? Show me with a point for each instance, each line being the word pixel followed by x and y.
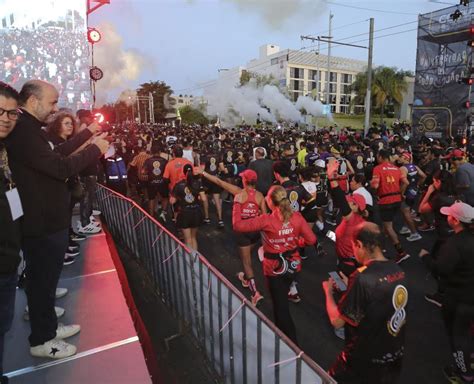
pixel 388 86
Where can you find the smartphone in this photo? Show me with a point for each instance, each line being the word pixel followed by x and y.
pixel 341 286
pixel 331 235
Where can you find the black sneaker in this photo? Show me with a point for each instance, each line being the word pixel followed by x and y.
pixel 207 221
pixel 435 298
pixel 77 237
pixel 220 224
pixel 73 247
pixel 68 260
pixel 401 256
pixel 453 377
pixel 73 254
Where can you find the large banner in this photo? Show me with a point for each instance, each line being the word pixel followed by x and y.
pixel 443 61
pixel 47 40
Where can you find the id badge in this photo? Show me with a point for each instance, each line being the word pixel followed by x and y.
pixel 14 201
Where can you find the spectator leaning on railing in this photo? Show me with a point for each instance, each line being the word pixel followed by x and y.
pixel 41 175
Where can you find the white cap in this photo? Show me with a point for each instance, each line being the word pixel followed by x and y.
pixel 460 211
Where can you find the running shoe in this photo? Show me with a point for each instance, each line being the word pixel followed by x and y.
pixel 294 297
pixel 414 237
pixel 65 331
pixel 54 349
pixel 435 298
pixel 243 280
pixel 220 224
pixel 402 256
pixel 68 260
pixel 89 229
pixel 404 231
pixel 207 221
pixel 61 292
pixel 96 212
pixel 77 237
pixel 256 298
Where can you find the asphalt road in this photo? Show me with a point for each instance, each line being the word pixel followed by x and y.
pixel 427 349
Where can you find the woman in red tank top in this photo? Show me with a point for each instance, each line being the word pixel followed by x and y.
pixel 253 204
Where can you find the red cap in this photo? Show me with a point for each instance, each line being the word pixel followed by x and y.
pixel 249 175
pixel 357 199
pixel 406 156
pixel 455 153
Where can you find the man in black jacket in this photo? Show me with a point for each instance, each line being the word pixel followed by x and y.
pixel 10 232
pixel 41 175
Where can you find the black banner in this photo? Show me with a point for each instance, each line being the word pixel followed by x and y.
pixel 443 61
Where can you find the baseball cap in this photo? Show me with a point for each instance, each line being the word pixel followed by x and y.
pixel 357 199
pixel 249 175
pixel 456 153
pixel 406 156
pixel 320 163
pixel 460 211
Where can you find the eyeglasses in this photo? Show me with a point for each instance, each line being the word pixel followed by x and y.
pixel 12 114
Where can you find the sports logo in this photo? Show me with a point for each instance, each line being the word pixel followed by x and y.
pixel 360 162
pixel 294 201
pixel 293 164
pixel 399 301
pixel 188 196
pixel 229 157
pixel 156 168
pixel 212 165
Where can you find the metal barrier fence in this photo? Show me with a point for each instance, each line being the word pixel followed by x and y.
pixel 241 344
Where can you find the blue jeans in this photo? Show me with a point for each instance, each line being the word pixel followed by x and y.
pixel 7 308
pixel 44 258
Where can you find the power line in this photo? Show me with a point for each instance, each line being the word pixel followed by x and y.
pixel 343 26
pixel 370 9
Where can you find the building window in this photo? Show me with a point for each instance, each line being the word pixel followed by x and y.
pixel 296 85
pixel 312 85
pixel 274 61
pixel 332 88
pixel 346 78
pixel 295 95
pixel 345 89
pixel 313 75
pixel 345 109
pixel 333 77
pixel 332 99
pixel 297 73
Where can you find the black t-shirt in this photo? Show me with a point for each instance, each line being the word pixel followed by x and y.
pixel 154 168
pixel 297 194
pixel 437 201
pixel 429 169
pixel 211 163
pixel 293 163
pixel 187 196
pixel 357 160
pixel 374 308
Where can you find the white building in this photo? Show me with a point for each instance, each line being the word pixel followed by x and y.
pixel 305 73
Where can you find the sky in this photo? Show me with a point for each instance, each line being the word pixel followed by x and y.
pixel 185 42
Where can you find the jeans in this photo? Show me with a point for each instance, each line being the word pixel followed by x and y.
pixel 87 201
pixel 44 258
pixel 279 287
pixel 7 308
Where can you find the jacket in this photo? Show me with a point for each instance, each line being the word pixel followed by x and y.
pixel 41 174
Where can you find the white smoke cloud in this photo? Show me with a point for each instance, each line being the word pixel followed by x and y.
pixel 277 12
pixel 121 67
pixel 234 104
pixel 128 96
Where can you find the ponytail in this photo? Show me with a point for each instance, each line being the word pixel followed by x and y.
pixel 280 199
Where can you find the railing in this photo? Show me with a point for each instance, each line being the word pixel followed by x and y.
pixel 241 344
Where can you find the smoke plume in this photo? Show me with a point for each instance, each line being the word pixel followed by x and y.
pixel 277 12
pixel 234 104
pixel 121 67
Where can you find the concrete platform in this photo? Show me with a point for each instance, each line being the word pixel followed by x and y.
pixel 109 350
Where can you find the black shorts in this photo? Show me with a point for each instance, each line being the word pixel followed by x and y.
pixel 155 189
pixel 211 188
pixel 388 211
pixel 322 201
pixel 246 239
pixel 310 215
pixel 189 218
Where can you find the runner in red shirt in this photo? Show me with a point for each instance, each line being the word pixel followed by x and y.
pixel 174 168
pixel 390 184
pixel 283 232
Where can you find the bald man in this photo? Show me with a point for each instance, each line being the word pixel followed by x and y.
pixel 40 175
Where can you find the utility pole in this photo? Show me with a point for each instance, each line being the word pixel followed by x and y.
pixel 368 97
pixel 329 61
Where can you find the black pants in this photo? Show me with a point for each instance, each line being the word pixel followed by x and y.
pixel 352 372
pixel 7 308
pixel 279 287
pixel 87 201
pixel 44 258
pixel 459 323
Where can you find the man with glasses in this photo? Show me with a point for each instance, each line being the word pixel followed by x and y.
pixel 10 232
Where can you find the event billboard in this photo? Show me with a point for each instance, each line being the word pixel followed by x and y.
pixel 47 40
pixel 443 61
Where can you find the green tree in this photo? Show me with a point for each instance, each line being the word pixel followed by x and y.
pixel 190 115
pixel 261 80
pixel 158 90
pixel 388 87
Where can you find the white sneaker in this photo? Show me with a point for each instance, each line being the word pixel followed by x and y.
pixel 94 221
pixel 414 237
pixel 95 212
pixel 65 331
pixel 89 229
pixel 61 292
pixel 404 231
pixel 59 313
pixel 54 349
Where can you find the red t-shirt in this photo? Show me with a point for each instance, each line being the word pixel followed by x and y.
pixel 277 237
pixel 250 208
pixel 389 177
pixel 344 232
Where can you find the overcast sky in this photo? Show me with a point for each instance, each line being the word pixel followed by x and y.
pixel 185 42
